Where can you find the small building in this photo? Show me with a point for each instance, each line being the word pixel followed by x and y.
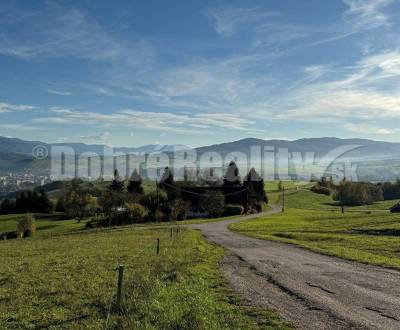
pixel 395 208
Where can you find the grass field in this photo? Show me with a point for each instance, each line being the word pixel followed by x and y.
pixel 69 282
pixel 46 224
pixel 368 234
pixel 54 224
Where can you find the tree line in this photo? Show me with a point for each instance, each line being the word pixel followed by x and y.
pixel 358 193
pixel 119 201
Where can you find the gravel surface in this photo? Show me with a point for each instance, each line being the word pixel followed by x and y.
pixel 311 290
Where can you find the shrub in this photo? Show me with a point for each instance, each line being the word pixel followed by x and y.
pixel 26 226
pixel 321 190
pixel 136 212
pixel 391 190
pixel 233 209
pixel 213 203
pixel 153 201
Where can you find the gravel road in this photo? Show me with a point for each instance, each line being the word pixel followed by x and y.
pixel 311 290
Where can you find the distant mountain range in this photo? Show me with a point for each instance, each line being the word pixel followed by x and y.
pixel 16 154
pixel 369 149
pixel 22 147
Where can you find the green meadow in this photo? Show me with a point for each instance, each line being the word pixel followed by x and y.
pixel 368 234
pixel 69 282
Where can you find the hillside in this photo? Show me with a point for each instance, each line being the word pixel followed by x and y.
pixel 377 160
pixel 368 149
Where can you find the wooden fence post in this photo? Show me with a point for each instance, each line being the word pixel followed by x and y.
pixel 119 287
pixel 158 246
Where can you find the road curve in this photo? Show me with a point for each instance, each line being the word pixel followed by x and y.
pixel 311 290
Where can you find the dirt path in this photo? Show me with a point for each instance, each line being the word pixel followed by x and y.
pixel 311 290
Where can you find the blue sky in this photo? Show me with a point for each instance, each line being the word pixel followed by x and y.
pixel 199 72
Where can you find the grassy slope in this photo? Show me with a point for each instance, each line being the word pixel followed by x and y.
pixel 369 237
pixel 68 282
pixel 46 224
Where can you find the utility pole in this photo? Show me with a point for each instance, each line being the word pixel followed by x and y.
pixel 283 199
pixel 158 201
pixel 247 200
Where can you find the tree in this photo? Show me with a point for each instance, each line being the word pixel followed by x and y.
pixel 26 226
pixel 60 205
pixel 156 203
pixel 78 203
pixel 167 177
pixel 167 184
pixel 213 203
pixel 7 206
pixel 117 184
pixel 256 189
pixel 135 183
pixel 43 202
pixel 232 177
pixel 352 194
pixel 391 190
pixel 32 201
pixel 109 200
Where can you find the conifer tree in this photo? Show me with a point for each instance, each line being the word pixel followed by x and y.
pixel 232 177
pixel 117 184
pixel 135 183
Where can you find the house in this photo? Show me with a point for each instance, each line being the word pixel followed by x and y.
pixel 395 208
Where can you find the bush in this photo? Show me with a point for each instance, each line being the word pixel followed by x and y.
pixel 213 203
pixel 153 201
pixel 26 226
pixel 391 190
pixel 321 190
pixel 136 212
pixel 233 209
pixel 179 208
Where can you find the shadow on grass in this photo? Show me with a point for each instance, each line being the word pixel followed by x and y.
pixel 376 232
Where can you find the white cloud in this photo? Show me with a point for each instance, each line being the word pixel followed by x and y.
pixel 7 107
pixel 368 129
pixel 148 120
pixel 22 127
pixel 64 31
pixel 55 92
pixel 366 14
pixel 278 33
pixel 103 137
pixel 227 21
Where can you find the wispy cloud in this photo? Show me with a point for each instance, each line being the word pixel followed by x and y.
pixel 228 20
pixel 368 129
pixel 58 31
pixel 55 92
pixel 148 120
pixel 7 107
pixel 22 127
pixel 104 137
pixel 366 14
pixel 367 91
